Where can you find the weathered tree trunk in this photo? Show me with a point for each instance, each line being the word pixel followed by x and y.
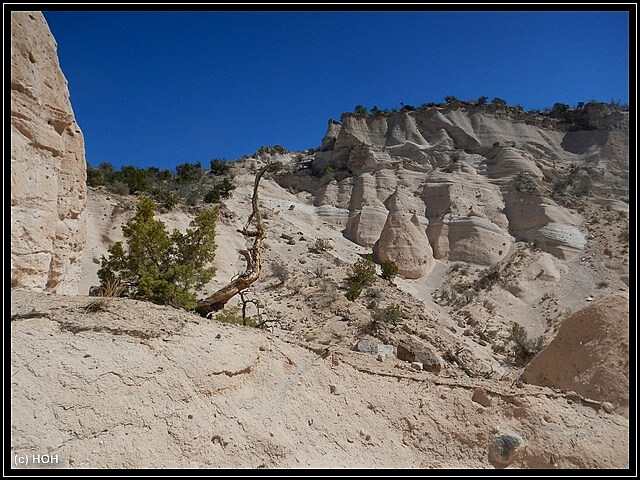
pixel 218 300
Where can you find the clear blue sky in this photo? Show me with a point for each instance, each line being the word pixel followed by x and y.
pixel 163 88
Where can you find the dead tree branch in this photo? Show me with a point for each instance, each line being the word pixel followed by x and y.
pixel 218 300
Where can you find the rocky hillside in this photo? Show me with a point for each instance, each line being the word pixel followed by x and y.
pixel 502 342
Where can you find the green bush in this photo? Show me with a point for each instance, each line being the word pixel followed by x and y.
pixel 135 178
pixel 212 196
pixel 390 314
pixel 320 245
pixel 161 267
pixel 353 291
pixel 389 270
pixel 219 167
pixel 159 175
pixel 524 349
pixel 234 315
pixel 360 109
pixel 363 274
pixel 525 183
pixel 219 191
pixel 94 176
pixel 165 197
pixel 118 187
pixel 188 172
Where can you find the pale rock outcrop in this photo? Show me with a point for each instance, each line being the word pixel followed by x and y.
pixel 402 241
pixel 590 354
pixel 539 219
pixel 476 240
pixel 510 161
pixel 364 158
pixel 48 169
pixel 410 348
pixel 329 140
pixel 365 225
pixel 539 268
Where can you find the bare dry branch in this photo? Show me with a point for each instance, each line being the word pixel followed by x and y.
pixel 218 300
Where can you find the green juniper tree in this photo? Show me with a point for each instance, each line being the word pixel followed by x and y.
pixel 158 266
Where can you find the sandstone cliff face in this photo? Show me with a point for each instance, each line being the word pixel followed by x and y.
pixel 48 170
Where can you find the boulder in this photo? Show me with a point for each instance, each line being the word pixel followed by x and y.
pixel 503 449
pixel 411 349
pixel 590 354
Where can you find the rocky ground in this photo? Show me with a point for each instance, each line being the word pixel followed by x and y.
pixel 127 384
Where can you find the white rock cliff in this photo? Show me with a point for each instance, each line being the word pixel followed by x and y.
pixel 48 169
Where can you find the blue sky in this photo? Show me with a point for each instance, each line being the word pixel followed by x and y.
pixel 163 88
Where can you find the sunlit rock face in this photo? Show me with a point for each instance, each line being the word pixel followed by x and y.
pixel 48 169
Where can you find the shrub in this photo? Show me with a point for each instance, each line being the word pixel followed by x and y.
pixel 359 109
pixel 363 274
pixel 165 197
pixel 135 178
pixel 390 314
pixel 118 187
pixel 159 175
pixel 524 349
pixel 353 291
pixel 280 271
pixel 374 293
pixel 230 315
pixel 106 170
pixel 406 329
pixel 225 187
pixel 212 196
pixel 219 167
pixel 320 245
pixel 319 271
pixel 498 101
pixel 450 99
pixel 188 172
pixel 219 191
pixel 482 100
pixel 559 188
pixel 94 176
pixel 161 267
pixel 525 183
pixel 233 315
pixel 389 270
pixel 111 288
pixel 488 278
